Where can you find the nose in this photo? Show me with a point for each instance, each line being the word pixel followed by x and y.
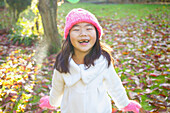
pixel 83 32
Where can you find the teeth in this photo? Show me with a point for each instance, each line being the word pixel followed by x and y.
pixel 84 41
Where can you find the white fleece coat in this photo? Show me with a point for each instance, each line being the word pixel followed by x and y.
pixel 86 90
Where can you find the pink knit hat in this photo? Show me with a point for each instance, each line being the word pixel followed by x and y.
pixel 80 15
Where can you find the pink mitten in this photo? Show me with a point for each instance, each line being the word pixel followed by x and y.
pixel 132 106
pixel 44 103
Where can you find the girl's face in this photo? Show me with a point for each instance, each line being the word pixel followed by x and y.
pixel 83 37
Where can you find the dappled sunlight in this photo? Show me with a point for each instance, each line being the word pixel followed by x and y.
pixel 17 79
pixel 139 39
pixel 21 75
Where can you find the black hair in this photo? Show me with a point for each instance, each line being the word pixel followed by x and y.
pixel 62 58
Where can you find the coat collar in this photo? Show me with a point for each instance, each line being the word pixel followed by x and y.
pixel 78 72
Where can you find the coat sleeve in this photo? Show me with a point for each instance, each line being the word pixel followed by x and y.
pixel 115 87
pixel 57 90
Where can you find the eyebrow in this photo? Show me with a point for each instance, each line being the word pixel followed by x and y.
pixel 85 25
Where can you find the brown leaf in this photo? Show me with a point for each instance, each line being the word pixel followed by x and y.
pixel 44 86
pixel 142 110
pixel 165 85
pixel 154 74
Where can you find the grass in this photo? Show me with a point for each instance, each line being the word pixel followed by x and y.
pixel 117 11
pixel 129 12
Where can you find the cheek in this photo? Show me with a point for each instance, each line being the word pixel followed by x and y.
pixel 72 37
pixel 73 41
pixel 93 40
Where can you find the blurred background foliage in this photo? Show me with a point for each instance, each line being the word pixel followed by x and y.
pixel 17 6
pixel 138 34
pixel 21 20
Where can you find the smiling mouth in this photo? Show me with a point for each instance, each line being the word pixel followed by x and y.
pixel 84 41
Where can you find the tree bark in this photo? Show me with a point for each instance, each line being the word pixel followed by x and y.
pixel 48 12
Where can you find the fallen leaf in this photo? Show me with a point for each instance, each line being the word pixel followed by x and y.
pixel 154 74
pixel 165 85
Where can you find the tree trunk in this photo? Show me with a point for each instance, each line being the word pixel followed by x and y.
pixel 48 12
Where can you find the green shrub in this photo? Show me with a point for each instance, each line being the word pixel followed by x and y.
pixel 2 3
pixel 17 37
pixel 28 27
pixel 17 6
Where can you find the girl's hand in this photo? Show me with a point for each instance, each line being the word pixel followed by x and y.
pixel 44 103
pixel 132 106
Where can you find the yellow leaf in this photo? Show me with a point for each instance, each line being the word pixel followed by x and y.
pixel 16 51
pixel 2 94
pixel 125 53
pixel 18 111
pixel 168 70
pixel 13 99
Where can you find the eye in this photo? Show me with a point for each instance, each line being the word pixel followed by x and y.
pixel 75 29
pixel 89 28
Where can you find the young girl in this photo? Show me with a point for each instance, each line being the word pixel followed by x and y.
pixel 84 75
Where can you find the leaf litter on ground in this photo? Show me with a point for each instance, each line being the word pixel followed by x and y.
pixel 141 52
